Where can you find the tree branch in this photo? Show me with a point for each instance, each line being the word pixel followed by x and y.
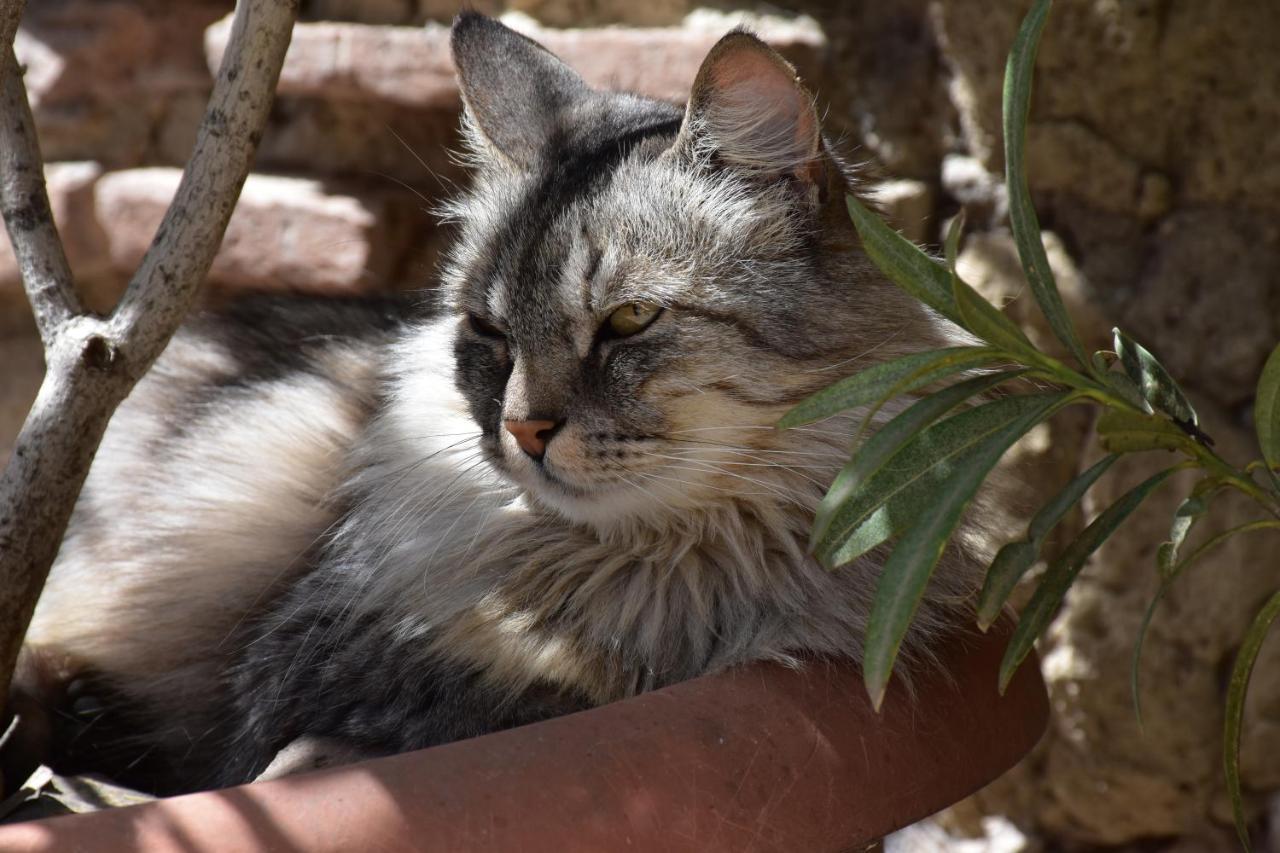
pixel 24 201
pixel 192 228
pixel 10 17
pixel 92 363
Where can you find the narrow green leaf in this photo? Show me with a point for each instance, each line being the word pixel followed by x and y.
pixel 1126 389
pixel 869 385
pixel 986 321
pixel 977 314
pixel 951 248
pixel 1135 666
pixel 1184 518
pixel 944 368
pixel 1022 216
pixel 1014 559
pixel 903 261
pixel 1210 544
pixel 1126 432
pixel 1063 571
pixel 1266 410
pixel 907 572
pixel 1154 382
pixel 905 489
pixel 1237 688
pixel 887 440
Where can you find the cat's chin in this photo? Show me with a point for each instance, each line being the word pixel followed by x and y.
pixel 604 506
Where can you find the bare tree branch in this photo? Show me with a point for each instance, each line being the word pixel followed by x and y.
pixel 93 363
pixel 191 232
pixel 10 17
pixel 25 203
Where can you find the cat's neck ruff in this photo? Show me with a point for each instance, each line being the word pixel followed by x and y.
pixel 495 575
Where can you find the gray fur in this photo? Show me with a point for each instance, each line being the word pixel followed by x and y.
pixel 439 582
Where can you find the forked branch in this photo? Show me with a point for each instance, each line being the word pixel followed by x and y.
pixel 93 362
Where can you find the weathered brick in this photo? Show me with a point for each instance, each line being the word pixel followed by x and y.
pixel 101 74
pixel 412 66
pixel 286 233
pixel 71 197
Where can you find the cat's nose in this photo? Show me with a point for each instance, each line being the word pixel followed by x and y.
pixel 532 436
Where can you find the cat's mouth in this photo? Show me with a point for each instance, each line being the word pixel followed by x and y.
pixel 600 502
pixel 544 472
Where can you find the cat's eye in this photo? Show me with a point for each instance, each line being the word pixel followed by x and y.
pixel 632 318
pixel 483 327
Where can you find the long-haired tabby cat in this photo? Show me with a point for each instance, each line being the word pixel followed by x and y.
pixel 389 527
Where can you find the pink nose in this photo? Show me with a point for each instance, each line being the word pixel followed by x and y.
pixel 532 436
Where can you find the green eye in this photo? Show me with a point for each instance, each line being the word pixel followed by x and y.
pixel 632 318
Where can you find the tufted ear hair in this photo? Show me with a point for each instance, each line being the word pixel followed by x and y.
pixel 514 90
pixel 749 111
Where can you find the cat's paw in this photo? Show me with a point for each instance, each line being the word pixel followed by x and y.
pixel 310 753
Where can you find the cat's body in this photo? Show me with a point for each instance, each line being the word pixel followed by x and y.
pixel 393 527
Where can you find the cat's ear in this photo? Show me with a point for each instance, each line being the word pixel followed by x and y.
pixel 749 110
pixel 515 91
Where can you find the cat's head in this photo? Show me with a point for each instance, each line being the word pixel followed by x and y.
pixel 641 290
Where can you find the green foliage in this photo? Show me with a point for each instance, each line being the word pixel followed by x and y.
pixel 1236 690
pixel 907 572
pixel 898 494
pixel 914 477
pixel 1153 382
pixel 1014 559
pixel 890 438
pixel 1266 414
pixel 1063 571
pixel 887 378
pixel 1022 215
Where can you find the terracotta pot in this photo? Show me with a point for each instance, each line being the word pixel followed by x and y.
pixel 757 758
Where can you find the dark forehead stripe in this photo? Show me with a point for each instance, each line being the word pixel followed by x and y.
pixel 574 167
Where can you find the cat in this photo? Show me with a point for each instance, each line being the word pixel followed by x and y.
pixel 388 525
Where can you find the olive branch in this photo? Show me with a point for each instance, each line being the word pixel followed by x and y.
pixel 913 479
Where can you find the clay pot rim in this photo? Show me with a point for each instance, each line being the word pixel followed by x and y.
pixel 759 757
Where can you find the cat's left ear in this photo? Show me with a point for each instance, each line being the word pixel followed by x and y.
pixel 516 92
pixel 749 110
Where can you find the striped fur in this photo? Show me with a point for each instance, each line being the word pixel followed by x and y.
pixel 343 542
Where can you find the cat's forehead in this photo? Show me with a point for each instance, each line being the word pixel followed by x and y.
pixel 582 268
pixel 582 253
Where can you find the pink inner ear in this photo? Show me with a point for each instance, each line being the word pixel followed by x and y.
pixel 759 113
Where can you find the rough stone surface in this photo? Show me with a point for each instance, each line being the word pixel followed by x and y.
pixel 885 86
pixel 1207 297
pixel 982 194
pixel 286 233
pixel 989 261
pixel 1188 89
pixel 995 835
pixel 908 205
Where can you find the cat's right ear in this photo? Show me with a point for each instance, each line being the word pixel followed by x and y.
pixel 515 91
pixel 749 112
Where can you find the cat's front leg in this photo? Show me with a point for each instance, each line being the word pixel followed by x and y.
pixel 309 753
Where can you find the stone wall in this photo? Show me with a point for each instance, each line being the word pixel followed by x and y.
pixel 1155 165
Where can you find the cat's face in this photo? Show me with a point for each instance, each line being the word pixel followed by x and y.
pixel 642 291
